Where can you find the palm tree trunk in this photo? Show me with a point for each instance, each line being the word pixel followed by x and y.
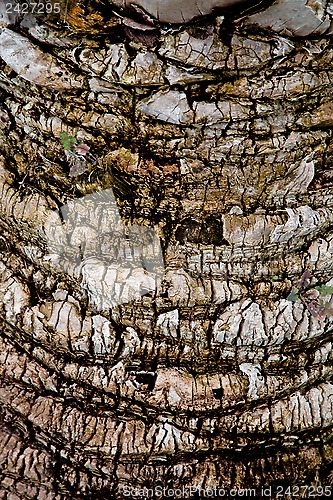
pixel 215 137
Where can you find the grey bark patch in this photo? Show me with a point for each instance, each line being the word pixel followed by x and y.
pixel 294 18
pixel 170 106
pixel 177 11
pixel 31 63
pixel 208 53
pixel 8 14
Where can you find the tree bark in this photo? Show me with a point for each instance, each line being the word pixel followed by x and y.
pixel 215 136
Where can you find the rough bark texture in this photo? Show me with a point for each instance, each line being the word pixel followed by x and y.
pixel 217 134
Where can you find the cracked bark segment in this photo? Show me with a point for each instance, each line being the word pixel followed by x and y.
pixel 15 296
pixel 118 263
pixel 183 391
pixel 319 252
pixel 260 229
pixel 312 408
pixel 208 53
pixel 25 471
pixel 108 437
pixel 291 170
pixel 22 210
pixel 115 65
pixel 32 64
pixel 211 54
pixel 322 117
pixel 255 324
pixel 298 18
pixel 221 112
pixel 250 52
pixel 170 107
pixel 60 324
pixel 21 368
pixel 291 86
pixel 99 434
pixel 45 33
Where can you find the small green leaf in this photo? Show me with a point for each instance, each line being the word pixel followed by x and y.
pixel 274 278
pixel 293 296
pixel 325 290
pixel 67 141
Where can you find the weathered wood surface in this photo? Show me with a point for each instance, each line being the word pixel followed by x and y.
pixel 216 134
